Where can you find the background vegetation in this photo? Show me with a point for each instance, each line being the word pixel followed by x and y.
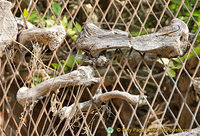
pixel 170 92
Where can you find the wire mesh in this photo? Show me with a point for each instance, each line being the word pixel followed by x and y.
pixel 173 105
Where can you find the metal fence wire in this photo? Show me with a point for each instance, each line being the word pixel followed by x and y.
pixel 171 85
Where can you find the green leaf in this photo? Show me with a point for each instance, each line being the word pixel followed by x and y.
pixel 188 6
pixel 74 29
pixel 171 67
pixel 80 52
pixel 172 72
pixel 70 25
pixel 78 26
pixel 176 1
pixel 71 32
pixel 197 50
pixel 65 67
pixel 137 33
pixel 49 22
pixel 164 60
pixel 177 67
pixel 62 62
pixel 198 39
pixel 196 13
pixel 192 54
pixel 78 61
pixel 56 66
pixel 64 22
pixel 56 8
pixel 33 17
pixel 32 85
pixel 172 6
pixel 74 37
pixel 70 61
pixel 37 80
pixel 176 60
pixel 25 12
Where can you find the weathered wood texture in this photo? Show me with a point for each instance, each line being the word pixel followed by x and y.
pixel 170 41
pixel 8 25
pixel 82 76
pixel 51 36
pixel 70 111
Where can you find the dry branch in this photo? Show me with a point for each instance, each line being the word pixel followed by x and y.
pixel 51 36
pixel 170 41
pixel 8 25
pixel 82 76
pixel 98 99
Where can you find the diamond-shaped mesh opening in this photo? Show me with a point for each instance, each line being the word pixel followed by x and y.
pixel 172 98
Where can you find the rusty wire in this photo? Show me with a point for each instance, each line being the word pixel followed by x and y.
pixel 169 104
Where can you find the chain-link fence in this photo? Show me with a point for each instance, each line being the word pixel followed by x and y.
pixel 169 88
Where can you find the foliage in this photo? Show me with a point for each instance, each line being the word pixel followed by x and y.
pixel 31 17
pixel 176 63
pixel 56 8
pixel 70 30
pixel 69 64
pixel 36 81
pixel 184 14
pixel 170 65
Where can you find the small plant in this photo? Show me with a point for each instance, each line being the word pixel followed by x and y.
pixel 36 81
pixel 192 54
pixel 56 8
pixel 32 18
pixel 70 30
pixel 184 14
pixel 171 66
pixel 69 64
pixel 176 63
